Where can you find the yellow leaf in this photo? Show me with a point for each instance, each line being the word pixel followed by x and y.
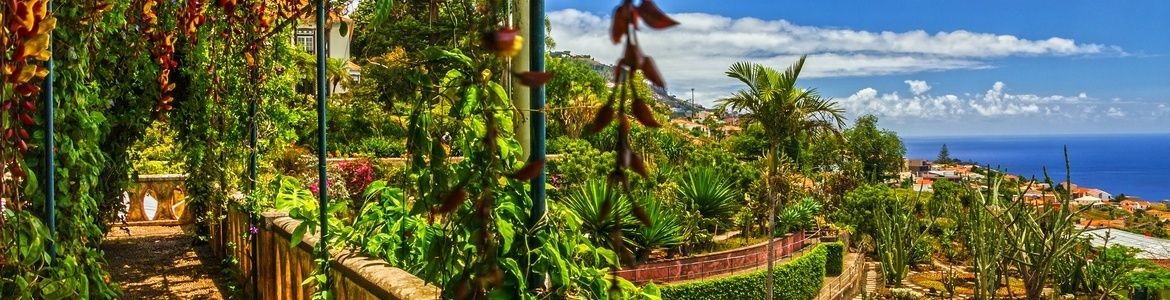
pixel 26 73
pixel 38 47
pixel 40 8
pixel 47 25
pixel 42 72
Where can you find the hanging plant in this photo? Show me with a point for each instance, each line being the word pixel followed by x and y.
pixel 625 103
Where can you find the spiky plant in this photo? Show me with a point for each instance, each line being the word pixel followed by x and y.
pixel 664 231
pixel 898 230
pixel 710 194
pixel 588 204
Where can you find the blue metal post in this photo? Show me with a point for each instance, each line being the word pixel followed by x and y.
pixel 536 59
pixel 50 166
pixel 322 176
pixel 253 218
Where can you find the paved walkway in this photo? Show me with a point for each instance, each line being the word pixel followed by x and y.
pixel 160 262
pixel 872 279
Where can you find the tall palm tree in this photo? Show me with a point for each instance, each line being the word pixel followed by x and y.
pixel 789 114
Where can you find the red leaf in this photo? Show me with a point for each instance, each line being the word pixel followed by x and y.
pixel 530 170
pixel 26 119
pixel 650 70
pixel 533 79
pixel 653 16
pixel 621 22
pixel 602 119
pixel 643 114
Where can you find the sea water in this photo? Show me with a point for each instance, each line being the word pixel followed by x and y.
pixel 1134 164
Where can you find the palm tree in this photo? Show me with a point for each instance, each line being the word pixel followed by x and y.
pixel 790 115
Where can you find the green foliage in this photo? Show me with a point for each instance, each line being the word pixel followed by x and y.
pixel 703 190
pixel 798 216
pixel 789 115
pixel 859 207
pixel 579 161
pixel 880 151
pixel 1107 272
pixel 799 278
pixel 834 258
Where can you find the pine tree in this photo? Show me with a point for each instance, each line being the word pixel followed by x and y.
pixel 944 155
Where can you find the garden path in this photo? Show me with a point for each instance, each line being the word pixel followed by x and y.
pixel 162 262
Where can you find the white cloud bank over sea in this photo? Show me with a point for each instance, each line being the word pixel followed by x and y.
pixel 696 53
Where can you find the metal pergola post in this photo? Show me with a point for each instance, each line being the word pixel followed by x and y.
pixel 537 110
pixel 322 176
pixel 252 217
pixel 50 159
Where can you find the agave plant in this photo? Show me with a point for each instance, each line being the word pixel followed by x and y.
pixel 709 193
pixel 588 202
pixel 665 229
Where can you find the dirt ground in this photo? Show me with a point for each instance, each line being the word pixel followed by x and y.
pixel 161 262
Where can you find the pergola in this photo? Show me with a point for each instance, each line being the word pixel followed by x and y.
pixel 534 61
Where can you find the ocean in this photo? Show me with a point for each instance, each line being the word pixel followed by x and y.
pixel 1134 164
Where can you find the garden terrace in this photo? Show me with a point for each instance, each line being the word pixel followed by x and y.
pixel 435 149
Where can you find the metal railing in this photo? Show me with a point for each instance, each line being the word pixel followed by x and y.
pixel 848 284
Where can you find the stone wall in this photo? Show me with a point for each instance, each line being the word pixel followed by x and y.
pixel 718 263
pixel 281 269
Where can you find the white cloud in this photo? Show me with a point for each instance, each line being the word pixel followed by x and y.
pixel 696 53
pixel 918 86
pixel 1115 112
pixel 996 102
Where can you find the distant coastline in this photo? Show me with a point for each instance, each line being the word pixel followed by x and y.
pixel 1131 164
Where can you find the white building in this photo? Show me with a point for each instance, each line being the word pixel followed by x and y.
pixel 336 44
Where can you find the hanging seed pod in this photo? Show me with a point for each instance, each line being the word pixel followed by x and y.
pixel 602 119
pixel 622 17
pixel 653 16
pixel 643 113
pixel 632 56
pixel 533 79
pixel 641 215
pixel 638 165
pixel 650 70
pixel 453 200
pixel 530 170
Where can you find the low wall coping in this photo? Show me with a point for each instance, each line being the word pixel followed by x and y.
pixel 377 273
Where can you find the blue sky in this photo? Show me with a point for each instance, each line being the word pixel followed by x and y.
pixel 924 67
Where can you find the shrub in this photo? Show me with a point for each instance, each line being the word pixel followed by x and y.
pixel 800 278
pixel 835 260
pixel 381 147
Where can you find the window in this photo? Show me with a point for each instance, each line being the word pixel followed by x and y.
pixel 306 38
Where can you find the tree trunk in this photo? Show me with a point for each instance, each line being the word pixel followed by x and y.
pixel 771 215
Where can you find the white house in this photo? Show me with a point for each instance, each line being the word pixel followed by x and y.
pixel 1087 201
pixel 336 44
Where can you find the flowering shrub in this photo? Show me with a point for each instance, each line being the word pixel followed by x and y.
pixel 357 174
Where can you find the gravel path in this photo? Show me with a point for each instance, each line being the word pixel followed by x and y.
pixel 160 262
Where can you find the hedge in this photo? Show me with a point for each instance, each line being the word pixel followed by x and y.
pixel 799 278
pixel 835 261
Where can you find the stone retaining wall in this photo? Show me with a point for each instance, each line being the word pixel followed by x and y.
pixel 718 263
pixel 281 268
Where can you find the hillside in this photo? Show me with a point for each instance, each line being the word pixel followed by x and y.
pixel 677 105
